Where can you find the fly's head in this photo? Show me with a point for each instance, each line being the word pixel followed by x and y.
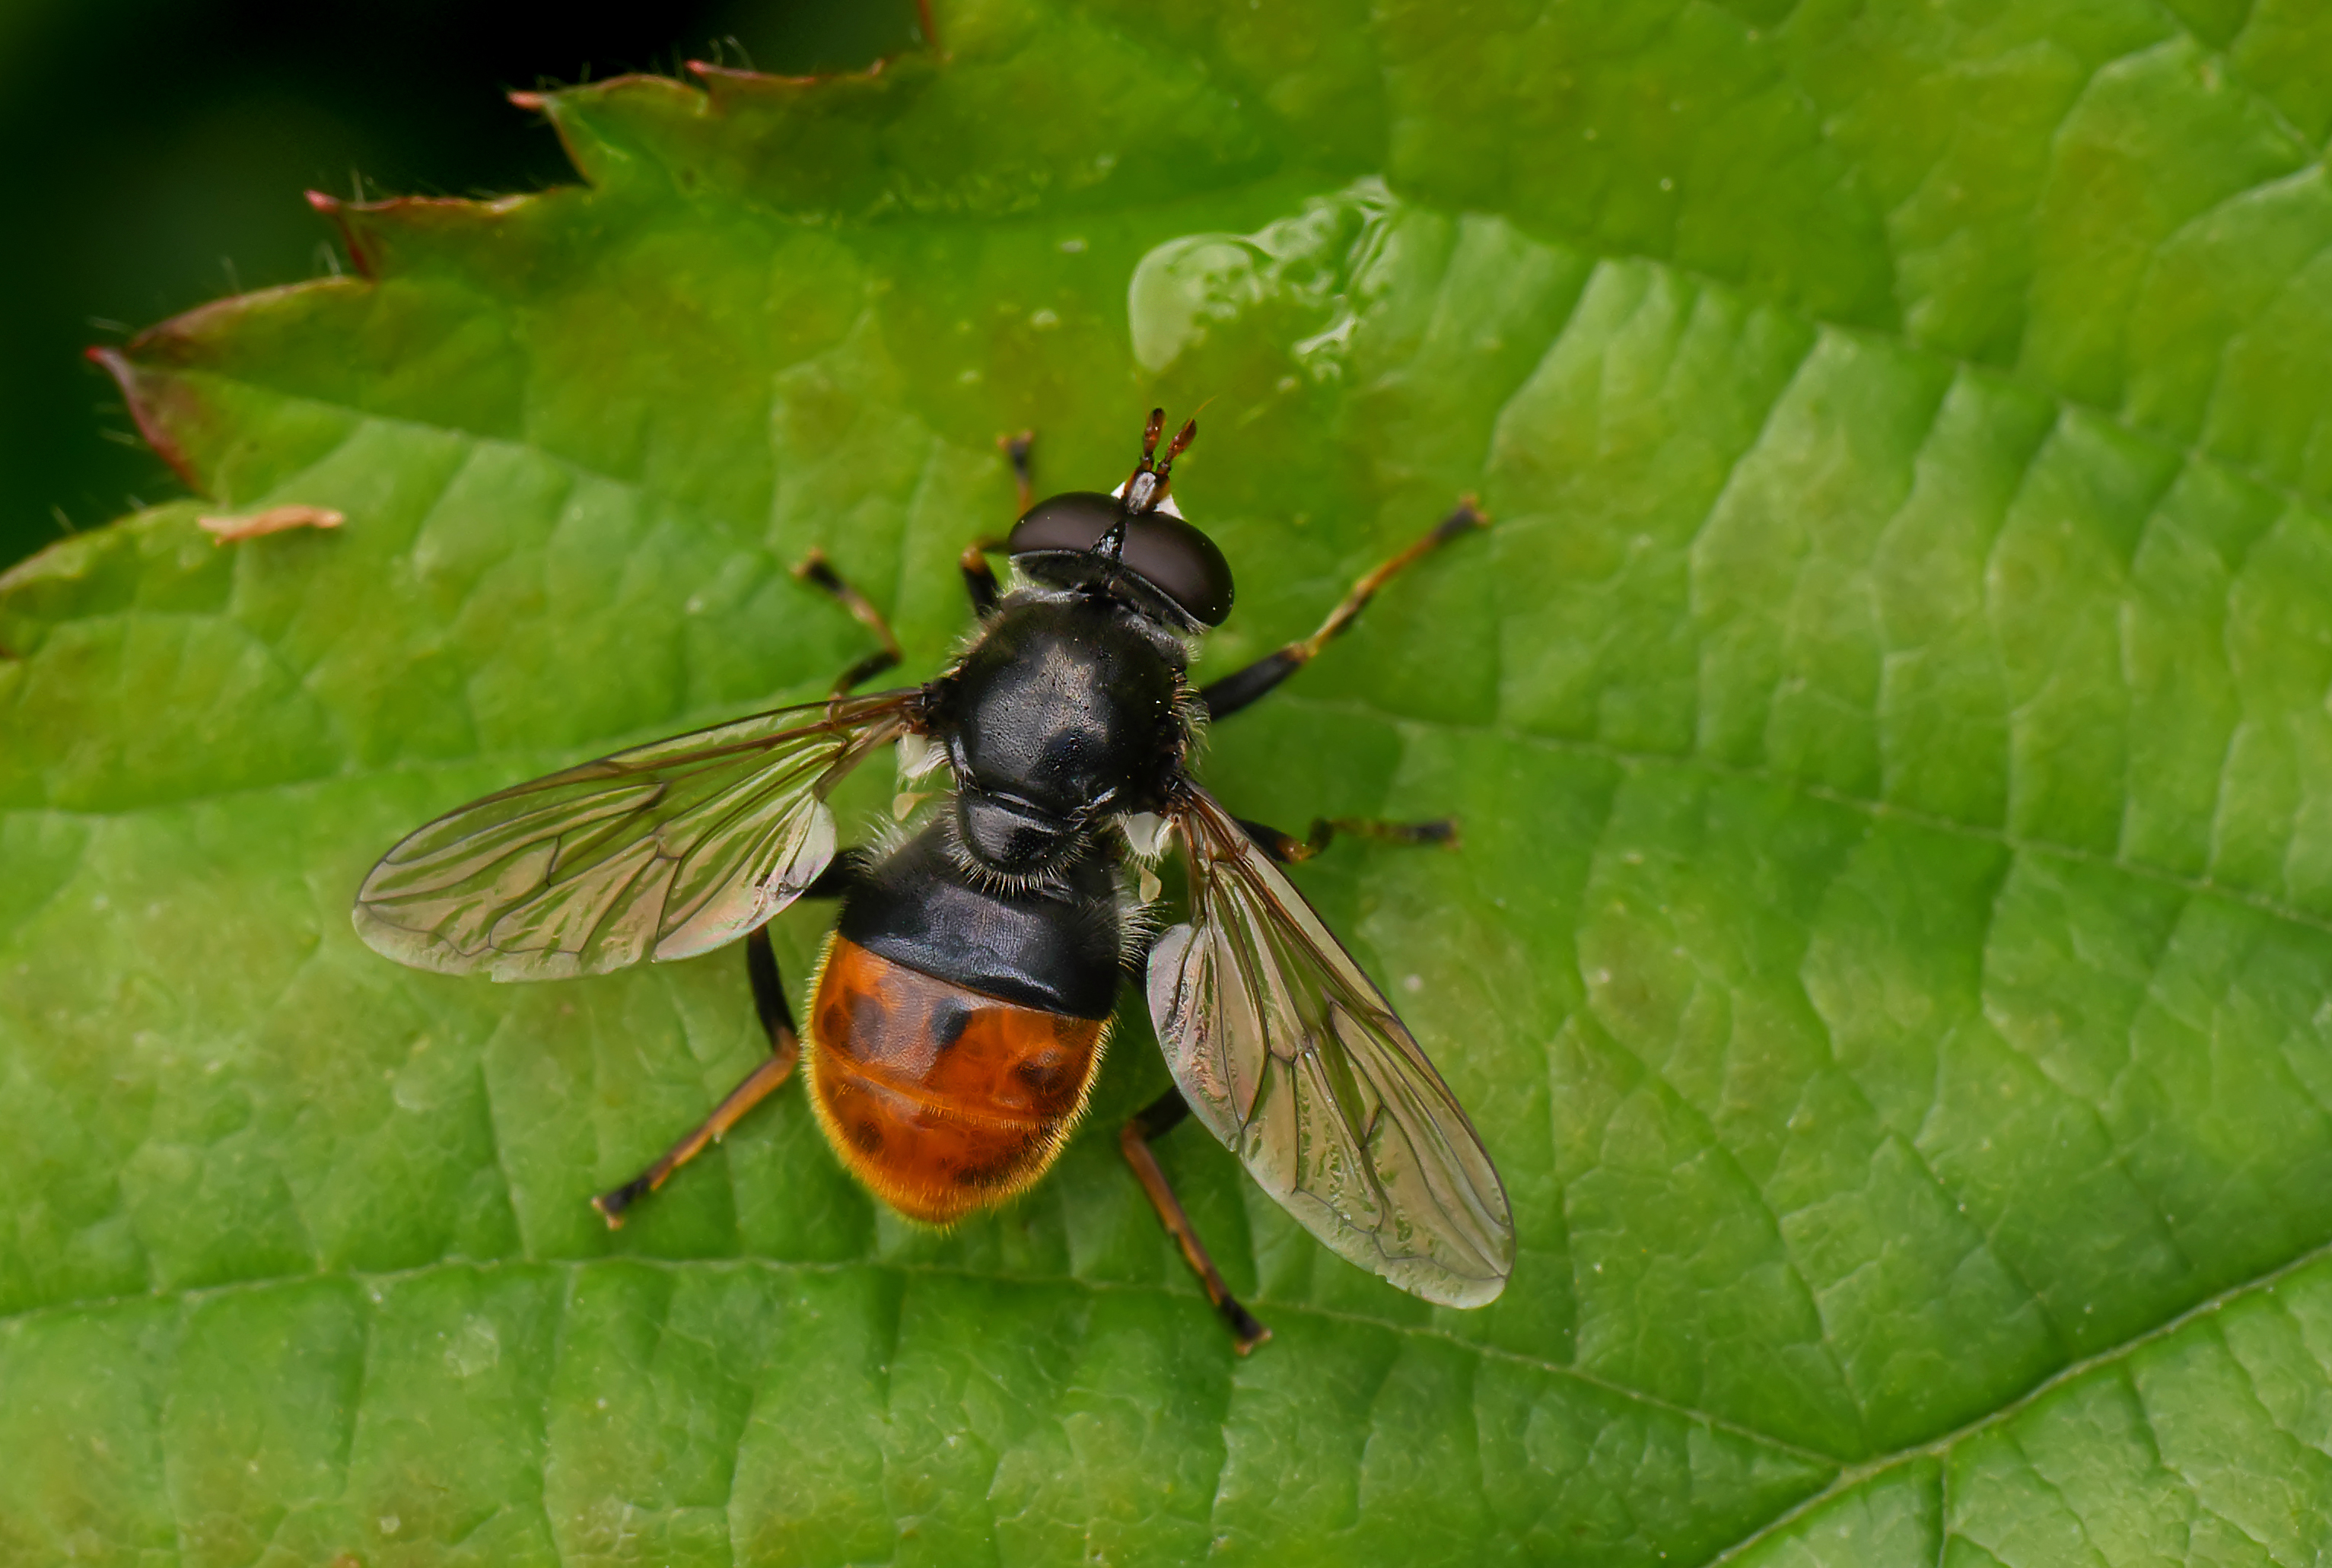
pixel 1135 539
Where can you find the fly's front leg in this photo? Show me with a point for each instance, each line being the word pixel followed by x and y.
pixel 1241 687
pixel 1154 1121
pixel 978 579
pixel 818 572
pixel 1016 448
pixel 784 1048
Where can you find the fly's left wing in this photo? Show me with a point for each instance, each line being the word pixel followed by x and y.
pixel 661 852
pixel 1296 1063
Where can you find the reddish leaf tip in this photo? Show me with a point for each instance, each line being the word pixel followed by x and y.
pixel 533 102
pixel 142 401
pixel 344 219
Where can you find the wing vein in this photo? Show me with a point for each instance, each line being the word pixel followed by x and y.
pixel 659 852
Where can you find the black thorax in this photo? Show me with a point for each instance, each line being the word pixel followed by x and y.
pixel 1068 711
pixel 1071 709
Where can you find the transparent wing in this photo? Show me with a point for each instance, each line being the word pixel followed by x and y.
pixel 660 852
pixel 1294 1059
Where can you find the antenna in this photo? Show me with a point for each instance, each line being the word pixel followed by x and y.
pixel 1148 483
pixel 1182 439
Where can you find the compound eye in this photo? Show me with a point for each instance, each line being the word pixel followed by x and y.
pixel 1181 563
pixel 1075 521
pixel 1162 549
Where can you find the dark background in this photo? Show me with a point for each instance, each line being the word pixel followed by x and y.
pixel 158 151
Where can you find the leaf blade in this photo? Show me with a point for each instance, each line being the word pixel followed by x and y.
pixel 1889 946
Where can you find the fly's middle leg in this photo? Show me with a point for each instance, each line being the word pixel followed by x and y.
pixel 1441 833
pixel 777 1020
pixel 1155 1120
pixel 1242 687
pixel 818 572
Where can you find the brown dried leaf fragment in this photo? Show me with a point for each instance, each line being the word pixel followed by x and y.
pixel 274 519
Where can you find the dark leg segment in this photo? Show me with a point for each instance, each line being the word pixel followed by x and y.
pixel 1287 850
pixel 979 580
pixel 784 1048
pixel 769 1004
pixel 1241 687
pixel 1155 1120
pixel 1017 448
pixel 818 572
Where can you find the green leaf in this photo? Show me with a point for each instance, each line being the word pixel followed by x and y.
pixel 1889 956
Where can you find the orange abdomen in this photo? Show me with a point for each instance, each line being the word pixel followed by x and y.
pixel 942 1100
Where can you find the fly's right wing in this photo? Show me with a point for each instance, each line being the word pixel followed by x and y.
pixel 1296 1063
pixel 661 852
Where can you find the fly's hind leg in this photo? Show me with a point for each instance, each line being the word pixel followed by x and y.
pixel 784 1048
pixel 1241 687
pixel 1157 1119
pixel 818 572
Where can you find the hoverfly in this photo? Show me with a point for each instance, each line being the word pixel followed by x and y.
pixel 958 1013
